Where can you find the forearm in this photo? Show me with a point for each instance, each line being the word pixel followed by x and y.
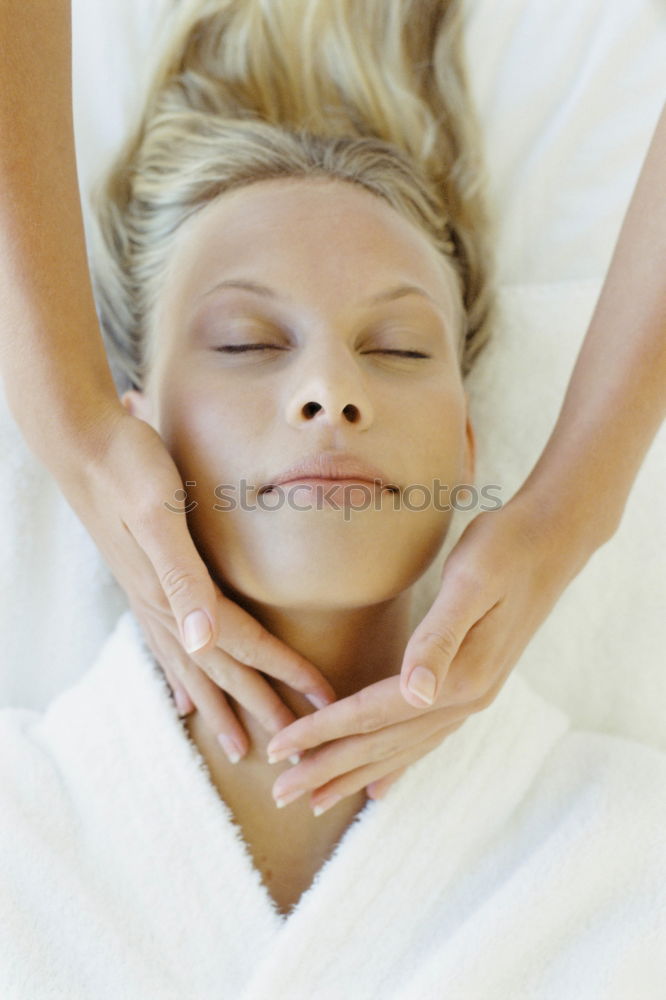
pixel 616 398
pixel 52 359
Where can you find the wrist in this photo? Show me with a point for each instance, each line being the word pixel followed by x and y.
pixel 561 509
pixel 75 427
pixel 88 428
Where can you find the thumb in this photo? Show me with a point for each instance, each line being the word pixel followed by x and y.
pixel 435 642
pixel 185 581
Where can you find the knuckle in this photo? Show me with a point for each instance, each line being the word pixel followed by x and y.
pixel 388 746
pixel 248 647
pixel 467 573
pixel 368 714
pixel 493 686
pixel 444 641
pixel 484 693
pixel 465 689
pixel 475 685
pixel 175 582
pixel 145 511
pixel 481 702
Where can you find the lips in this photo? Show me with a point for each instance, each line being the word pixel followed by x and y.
pixel 329 465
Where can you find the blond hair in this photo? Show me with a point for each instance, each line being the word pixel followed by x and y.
pixel 370 92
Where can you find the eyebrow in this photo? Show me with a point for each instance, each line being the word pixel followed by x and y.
pixel 388 295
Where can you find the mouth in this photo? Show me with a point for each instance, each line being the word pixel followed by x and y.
pixel 330 468
pixel 330 482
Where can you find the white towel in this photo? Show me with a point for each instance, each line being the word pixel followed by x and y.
pixel 520 859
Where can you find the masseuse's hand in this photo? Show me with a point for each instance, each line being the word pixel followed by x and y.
pixel 499 583
pixel 120 492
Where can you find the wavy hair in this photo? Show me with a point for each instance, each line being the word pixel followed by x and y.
pixel 369 92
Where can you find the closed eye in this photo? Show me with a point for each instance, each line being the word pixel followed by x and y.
pixel 401 354
pixel 240 348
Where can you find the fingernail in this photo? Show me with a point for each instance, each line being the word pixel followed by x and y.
pixel 326 803
pixel 288 797
pixel 196 630
pixel 422 683
pixel 230 747
pixel 317 700
pixel 181 702
pixel 278 755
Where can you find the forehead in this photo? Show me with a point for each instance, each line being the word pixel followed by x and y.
pixel 314 236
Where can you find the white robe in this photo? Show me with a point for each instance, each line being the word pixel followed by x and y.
pixel 519 859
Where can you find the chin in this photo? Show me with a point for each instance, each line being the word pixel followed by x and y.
pixel 315 577
pixel 318 562
pixel 309 596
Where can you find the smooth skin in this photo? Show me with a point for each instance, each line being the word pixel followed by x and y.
pixel 486 611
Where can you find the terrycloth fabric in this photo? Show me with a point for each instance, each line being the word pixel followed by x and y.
pixel 520 859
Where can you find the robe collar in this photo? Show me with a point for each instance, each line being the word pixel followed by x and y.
pixel 407 846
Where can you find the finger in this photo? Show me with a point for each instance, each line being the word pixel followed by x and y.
pixel 373 707
pixel 244 639
pixel 184 703
pixel 185 581
pixel 378 789
pixel 246 686
pixel 180 696
pixel 218 715
pixel 328 796
pixel 459 605
pixel 206 696
pixel 377 706
pixel 346 755
pixel 210 701
pixel 482 664
pixel 165 538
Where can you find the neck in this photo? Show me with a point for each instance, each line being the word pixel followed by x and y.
pixel 352 649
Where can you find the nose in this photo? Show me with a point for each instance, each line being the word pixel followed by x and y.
pixel 330 391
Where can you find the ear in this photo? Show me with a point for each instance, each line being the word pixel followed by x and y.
pixel 470 450
pixel 137 404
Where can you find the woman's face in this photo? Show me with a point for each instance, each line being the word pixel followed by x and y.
pixel 281 332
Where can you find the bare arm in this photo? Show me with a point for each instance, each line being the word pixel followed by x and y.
pixel 616 398
pixel 61 393
pixel 51 348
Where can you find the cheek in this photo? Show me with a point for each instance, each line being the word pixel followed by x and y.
pixel 430 431
pixel 208 434
pixel 205 411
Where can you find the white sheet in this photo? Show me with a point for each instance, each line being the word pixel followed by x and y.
pixel 568 96
pixel 519 859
